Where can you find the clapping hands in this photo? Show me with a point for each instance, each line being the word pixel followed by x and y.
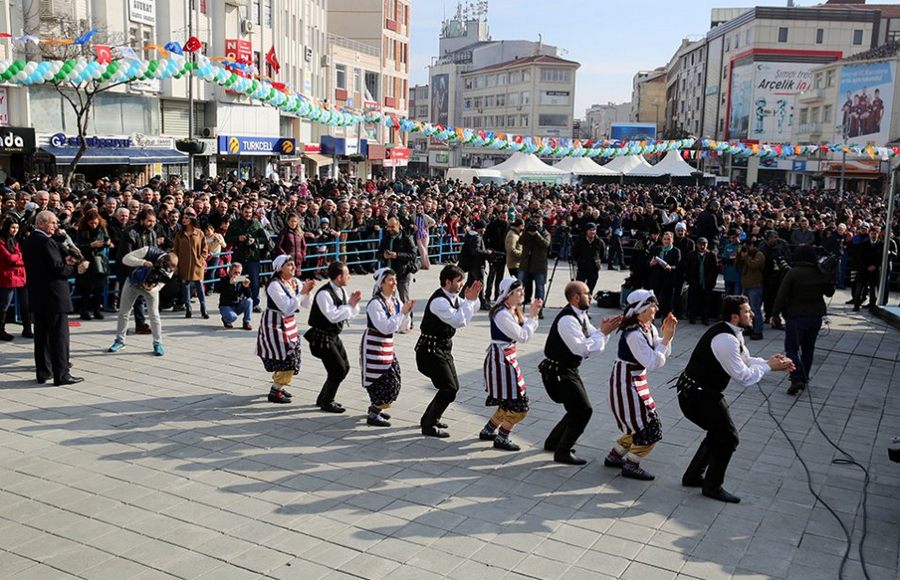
pixel 609 324
pixel 473 291
pixel 669 325
pixel 535 309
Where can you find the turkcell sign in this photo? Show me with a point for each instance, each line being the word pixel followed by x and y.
pixel 237 145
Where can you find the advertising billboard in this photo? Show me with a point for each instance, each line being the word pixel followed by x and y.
pixel 632 131
pixel 770 106
pixel 440 98
pixel 741 95
pixel 865 102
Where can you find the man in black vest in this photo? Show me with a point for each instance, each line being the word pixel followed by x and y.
pixel 571 339
pixel 444 313
pixel 720 355
pixel 330 311
pixel 48 271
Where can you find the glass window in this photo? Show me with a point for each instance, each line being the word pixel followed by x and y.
pixel 501 100
pixel 829 78
pixel 478 103
pixel 489 102
pixel 357 80
pixel 372 92
pixel 469 83
pixel 523 120
pixel 820 35
pixel 555 75
pixel 510 120
pixel 827 113
pixel 526 97
pixel 467 104
pixel 267 13
pixel 804 116
pixel 546 120
pixel 819 80
pixel 526 76
pixel 814 115
pixel 514 99
pixel 747 37
pixel 255 12
pixel 340 76
pixel 857 37
pixel 783 34
pixel 501 79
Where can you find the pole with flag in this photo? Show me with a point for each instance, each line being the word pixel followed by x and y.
pixel 272 60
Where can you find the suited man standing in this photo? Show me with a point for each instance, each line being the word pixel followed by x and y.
pixel 48 269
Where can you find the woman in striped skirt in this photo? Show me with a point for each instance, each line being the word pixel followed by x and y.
pixel 641 348
pixel 385 316
pixel 278 340
pixel 503 379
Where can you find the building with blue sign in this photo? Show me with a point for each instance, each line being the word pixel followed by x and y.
pixel 251 155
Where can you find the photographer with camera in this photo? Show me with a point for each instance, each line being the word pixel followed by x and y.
pixel 48 268
pixel 248 241
pixel 495 239
pixel 752 263
pixel 535 242
pixel 589 252
pixel 777 264
pixel 472 259
pixel 153 268
pixel 801 298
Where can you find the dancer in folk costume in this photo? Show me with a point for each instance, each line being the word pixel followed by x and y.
pixel 641 348
pixel 385 316
pixel 503 379
pixel 278 340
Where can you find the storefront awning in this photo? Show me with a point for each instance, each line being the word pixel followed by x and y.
pixel 319 159
pixel 117 156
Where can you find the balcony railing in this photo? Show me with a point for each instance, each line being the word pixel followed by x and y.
pixel 810 128
pixel 354 45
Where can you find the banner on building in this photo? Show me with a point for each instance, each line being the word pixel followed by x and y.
pixel 865 102
pixel 767 108
pixel 741 93
pixel 142 11
pixel 440 99
pixel 4 107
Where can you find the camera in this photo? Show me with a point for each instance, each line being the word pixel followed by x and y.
pixel 828 264
pixel 780 264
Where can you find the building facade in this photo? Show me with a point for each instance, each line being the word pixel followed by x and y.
pixel 598 119
pixel 685 87
pixel 648 97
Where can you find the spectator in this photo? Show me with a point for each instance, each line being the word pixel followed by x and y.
pixel 248 241
pixel 396 251
pixel 215 244
pixel 12 275
pixel 685 247
pixel 495 240
pixel 535 242
pixel 776 266
pixel 472 259
pixel 752 263
pixel 665 260
pixel 513 248
pixel 93 242
pixel 701 273
pixel 235 298
pixel 190 247
pixel 291 241
pixel 589 252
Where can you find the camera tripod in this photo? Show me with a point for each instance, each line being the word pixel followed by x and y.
pixel 572 269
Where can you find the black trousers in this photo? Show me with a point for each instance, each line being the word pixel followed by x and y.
pixel 495 276
pixel 440 368
pixel 678 305
pixel 588 276
pixel 770 291
pixel 476 275
pixel 51 345
pixel 578 413
pixel 334 357
pixel 709 411
pixel 699 302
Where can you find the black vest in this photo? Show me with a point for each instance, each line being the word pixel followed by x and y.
pixel 317 319
pixel 625 353
pixel 270 304
pixel 434 326
pixel 496 333
pixel 555 349
pixel 703 367
pixel 382 303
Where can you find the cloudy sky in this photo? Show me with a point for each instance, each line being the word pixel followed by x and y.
pixel 611 40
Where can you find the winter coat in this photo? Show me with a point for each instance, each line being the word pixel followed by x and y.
pixel 12 266
pixel 534 251
pixel 292 243
pixel 192 252
pixel 253 247
pixel 803 292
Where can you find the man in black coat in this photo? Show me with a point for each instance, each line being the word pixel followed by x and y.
pixel 48 270
pixel 589 253
pixel 707 225
pixel 397 252
pixel 701 272
pixel 472 258
pixel 495 239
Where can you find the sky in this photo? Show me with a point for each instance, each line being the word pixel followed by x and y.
pixel 612 40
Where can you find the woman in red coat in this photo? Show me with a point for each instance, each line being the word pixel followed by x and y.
pixel 12 276
pixel 291 240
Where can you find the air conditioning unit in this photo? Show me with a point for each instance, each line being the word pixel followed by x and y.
pixel 246 26
pixel 209 132
pixel 307 54
pixel 326 60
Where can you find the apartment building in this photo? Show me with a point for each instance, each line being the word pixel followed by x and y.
pixel 685 88
pixel 598 119
pixel 648 97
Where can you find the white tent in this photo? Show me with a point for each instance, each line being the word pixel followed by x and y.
pixel 626 163
pixel 672 165
pixel 583 166
pixel 527 167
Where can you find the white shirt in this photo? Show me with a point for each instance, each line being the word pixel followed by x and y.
pixel 735 359
pixel 455 317
pixel 286 301
pixel 387 324
pixel 508 325
pixel 581 342
pixel 335 314
pixel 650 356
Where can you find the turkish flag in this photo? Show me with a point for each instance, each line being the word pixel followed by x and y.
pixel 193 44
pixel 104 53
pixel 272 60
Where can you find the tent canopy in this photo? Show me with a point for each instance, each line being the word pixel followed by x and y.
pixel 527 167
pixel 626 164
pixel 583 166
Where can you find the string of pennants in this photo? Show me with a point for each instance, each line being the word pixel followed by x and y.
pixel 242 77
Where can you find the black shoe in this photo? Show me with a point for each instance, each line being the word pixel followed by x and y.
pixel 41 380
pixel 613 460
pixel 98 315
pixel 796 387
pixel 377 421
pixel 485 436
pixel 276 396
pixel 385 415
pixel 178 308
pixel 27 333
pixel 440 425
pixel 856 309
pixel 188 314
pixel 634 470
pixel 256 309
pixel 5 336
pixel 227 325
pixel 691 481
pixel 569 459
pixel 849 301
pixel 721 495
pixel 434 432
pixel 505 445
pixel 70 380
pixel 85 316
pixel 143 329
pixel 287 394
pixel 204 315
pixel 332 407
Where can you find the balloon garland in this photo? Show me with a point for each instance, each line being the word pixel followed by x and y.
pixel 78 71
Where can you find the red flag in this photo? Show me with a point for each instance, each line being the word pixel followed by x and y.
pixel 272 60
pixel 104 53
pixel 193 44
pixel 5 35
pixel 279 86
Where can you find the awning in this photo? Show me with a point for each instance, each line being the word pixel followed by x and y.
pixel 319 159
pixel 117 156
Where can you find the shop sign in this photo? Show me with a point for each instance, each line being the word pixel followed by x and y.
pixel 62 140
pixel 16 140
pixel 141 140
pixel 142 11
pixel 4 106
pixel 235 145
pixel 312 148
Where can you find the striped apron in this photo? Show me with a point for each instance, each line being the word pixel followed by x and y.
pixel 278 336
pixel 503 378
pixel 629 397
pixel 376 355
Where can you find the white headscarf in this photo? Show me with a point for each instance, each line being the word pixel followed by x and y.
pixel 279 262
pixel 379 276
pixel 505 289
pixel 639 301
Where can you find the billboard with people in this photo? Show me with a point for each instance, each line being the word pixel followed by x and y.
pixel 762 99
pixel 440 99
pixel 632 131
pixel 865 101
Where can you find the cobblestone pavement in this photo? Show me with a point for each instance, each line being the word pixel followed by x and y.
pixel 178 467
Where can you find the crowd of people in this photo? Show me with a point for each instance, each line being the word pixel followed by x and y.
pixel 137 250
